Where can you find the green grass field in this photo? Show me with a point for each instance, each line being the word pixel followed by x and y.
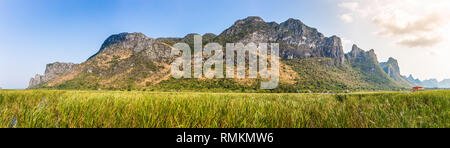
pixel 118 109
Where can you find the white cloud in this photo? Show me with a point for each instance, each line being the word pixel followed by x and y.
pixel 414 23
pixel 416 32
pixel 347 18
pixel 353 6
pixel 391 26
pixel 421 41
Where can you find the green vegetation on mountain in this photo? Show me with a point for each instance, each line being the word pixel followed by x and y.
pixel 320 74
pixel 310 62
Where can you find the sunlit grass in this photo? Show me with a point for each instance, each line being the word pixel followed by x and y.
pixel 90 109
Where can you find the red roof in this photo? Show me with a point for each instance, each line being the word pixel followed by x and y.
pixel 418 88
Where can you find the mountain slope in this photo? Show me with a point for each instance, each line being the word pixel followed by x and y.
pixel 367 64
pixel 310 61
pixel 393 70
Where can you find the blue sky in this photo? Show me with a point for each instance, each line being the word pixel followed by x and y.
pixel 34 33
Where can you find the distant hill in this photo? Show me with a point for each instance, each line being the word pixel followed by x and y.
pixel 430 83
pixel 309 61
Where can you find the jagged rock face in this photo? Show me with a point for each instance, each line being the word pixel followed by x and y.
pixel 356 51
pixel 297 41
pixel 52 71
pixel 137 42
pixel 390 67
pixel 333 48
pixel 295 32
pixel 393 70
pixel 367 63
pixel 357 55
pixel 35 81
pixel 132 41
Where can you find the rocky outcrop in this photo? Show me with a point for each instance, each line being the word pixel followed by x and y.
pixel 366 62
pixel 356 52
pixel 391 66
pixel 52 71
pixel 367 58
pixel 297 41
pixel 132 41
pixel 137 43
pixel 393 70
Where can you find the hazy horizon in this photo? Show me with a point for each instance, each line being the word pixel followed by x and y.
pixel 35 33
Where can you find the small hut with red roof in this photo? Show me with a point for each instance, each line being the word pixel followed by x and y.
pixel 418 88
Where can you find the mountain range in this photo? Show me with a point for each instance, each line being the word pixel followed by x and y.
pixel 309 61
pixel 430 83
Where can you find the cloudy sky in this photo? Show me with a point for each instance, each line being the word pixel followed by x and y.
pixel 36 32
pixel 416 32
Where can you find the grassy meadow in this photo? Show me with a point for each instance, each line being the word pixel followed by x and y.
pixel 137 109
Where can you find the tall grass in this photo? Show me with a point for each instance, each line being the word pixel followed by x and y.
pixel 92 109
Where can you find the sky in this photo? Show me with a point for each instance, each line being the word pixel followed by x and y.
pixel 34 33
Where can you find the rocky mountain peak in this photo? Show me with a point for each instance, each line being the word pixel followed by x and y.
pixel 250 19
pixel 392 61
pixel 356 51
pixel 58 68
pixel 52 70
pixel 393 70
pixel 293 24
pixel 131 41
pixel 298 28
pixel 244 27
pixel 333 49
pixel 294 21
pixel 335 41
pixel 358 55
pixel 117 38
pixel 411 77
